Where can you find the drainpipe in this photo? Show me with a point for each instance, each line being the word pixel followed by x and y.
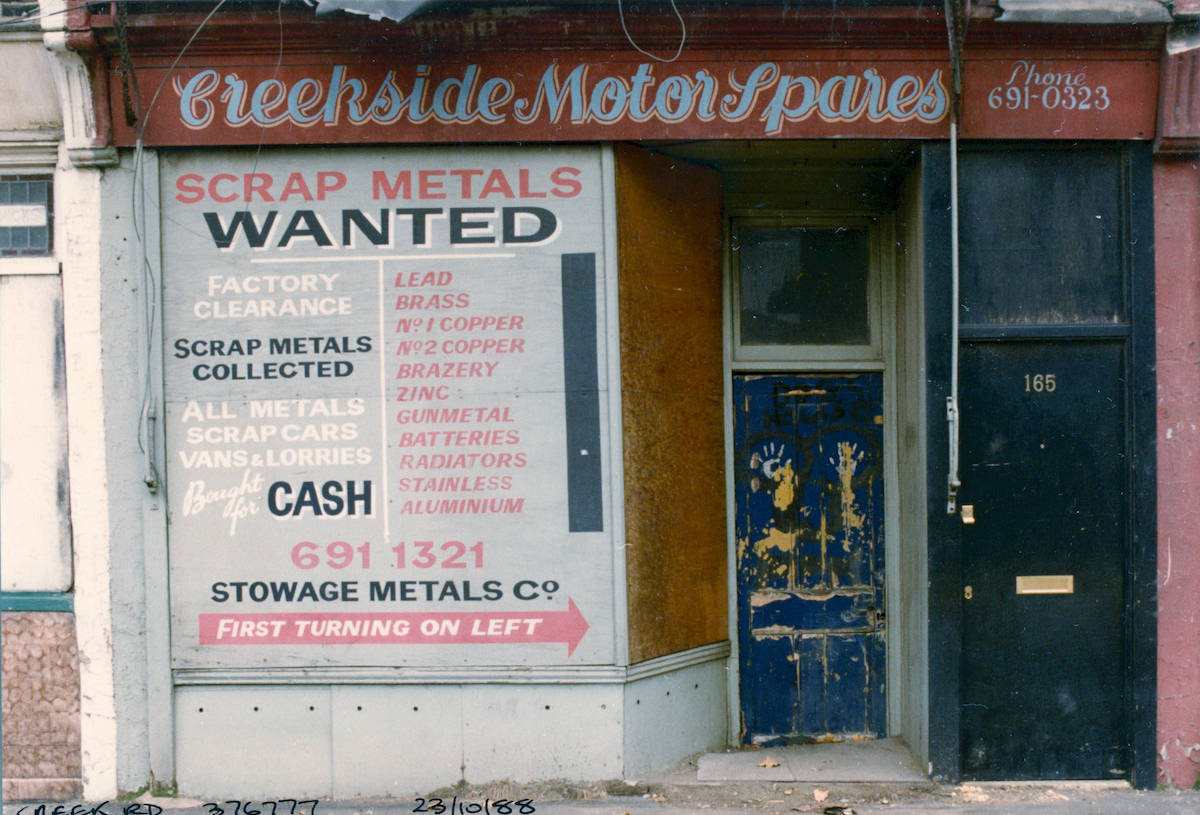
pixel 956 22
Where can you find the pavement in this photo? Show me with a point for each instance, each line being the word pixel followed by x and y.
pixel 655 797
pixel 880 777
pixel 770 797
pixel 852 800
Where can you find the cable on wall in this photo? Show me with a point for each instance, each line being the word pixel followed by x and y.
pixel 956 24
pixel 151 293
pixel 639 49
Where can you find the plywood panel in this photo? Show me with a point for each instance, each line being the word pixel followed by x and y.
pixel 669 256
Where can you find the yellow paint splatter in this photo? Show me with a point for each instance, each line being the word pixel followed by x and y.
pixel 823 537
pixel 785 493
pixel 782 542
pixel 847 464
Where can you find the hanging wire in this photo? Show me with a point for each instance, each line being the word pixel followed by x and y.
pixel 639 49
pixel 132 98
pixel 957 13
pixel 149 412
pixel 129 89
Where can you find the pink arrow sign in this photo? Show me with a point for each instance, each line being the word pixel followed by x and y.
pixel 395 628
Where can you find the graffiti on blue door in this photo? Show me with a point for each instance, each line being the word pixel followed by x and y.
pixel 809 524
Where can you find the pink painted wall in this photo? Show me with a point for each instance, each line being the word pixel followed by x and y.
pixel 1177 273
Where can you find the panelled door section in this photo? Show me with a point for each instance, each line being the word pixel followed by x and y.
pixel 1045 471
pixel 808 453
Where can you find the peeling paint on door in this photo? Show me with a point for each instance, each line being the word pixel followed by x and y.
pixel 809 525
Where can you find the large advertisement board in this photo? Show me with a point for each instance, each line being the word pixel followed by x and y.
pixel 386 406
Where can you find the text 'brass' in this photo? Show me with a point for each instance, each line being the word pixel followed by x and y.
pixel 1046 584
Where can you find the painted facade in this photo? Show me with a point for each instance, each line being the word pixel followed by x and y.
pixel 41 702
pixel 434 393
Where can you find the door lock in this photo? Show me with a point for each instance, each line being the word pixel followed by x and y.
pixel 968 592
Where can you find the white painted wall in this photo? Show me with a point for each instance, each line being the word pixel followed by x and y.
pixel 672 715
pixel 27 97
pixel 400 740
pixel 34 509
pixel 109 501
pixel 70 381
pixel 34 513
pixel 410 737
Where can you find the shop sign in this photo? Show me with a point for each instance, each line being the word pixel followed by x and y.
pixel 561 99
pixel 572 99
pixel 1059 99
pixel 385 383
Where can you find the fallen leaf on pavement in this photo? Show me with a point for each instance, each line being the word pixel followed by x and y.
pixel 768 762
pixel 820 795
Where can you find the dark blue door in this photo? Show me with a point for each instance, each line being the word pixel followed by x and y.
pixel 808 457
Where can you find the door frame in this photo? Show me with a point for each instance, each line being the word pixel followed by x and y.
pixel 884 281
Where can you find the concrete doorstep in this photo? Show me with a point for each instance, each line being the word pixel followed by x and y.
pixel 877 760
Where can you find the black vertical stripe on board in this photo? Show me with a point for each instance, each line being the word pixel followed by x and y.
pixel 582 393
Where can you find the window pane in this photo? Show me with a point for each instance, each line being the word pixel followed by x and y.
pixel 803 286
pixel 26 216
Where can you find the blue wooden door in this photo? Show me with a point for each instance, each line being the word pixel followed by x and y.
pixel 808 457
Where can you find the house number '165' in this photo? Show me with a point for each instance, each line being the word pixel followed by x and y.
pixel 1039 383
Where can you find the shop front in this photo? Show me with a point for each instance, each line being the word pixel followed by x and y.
pixel 519 405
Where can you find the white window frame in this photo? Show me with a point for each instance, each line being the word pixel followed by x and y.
pixel 34 156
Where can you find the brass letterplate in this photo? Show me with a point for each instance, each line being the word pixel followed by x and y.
pixel 1046 584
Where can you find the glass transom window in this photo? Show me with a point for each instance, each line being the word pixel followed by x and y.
pixel 803 284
